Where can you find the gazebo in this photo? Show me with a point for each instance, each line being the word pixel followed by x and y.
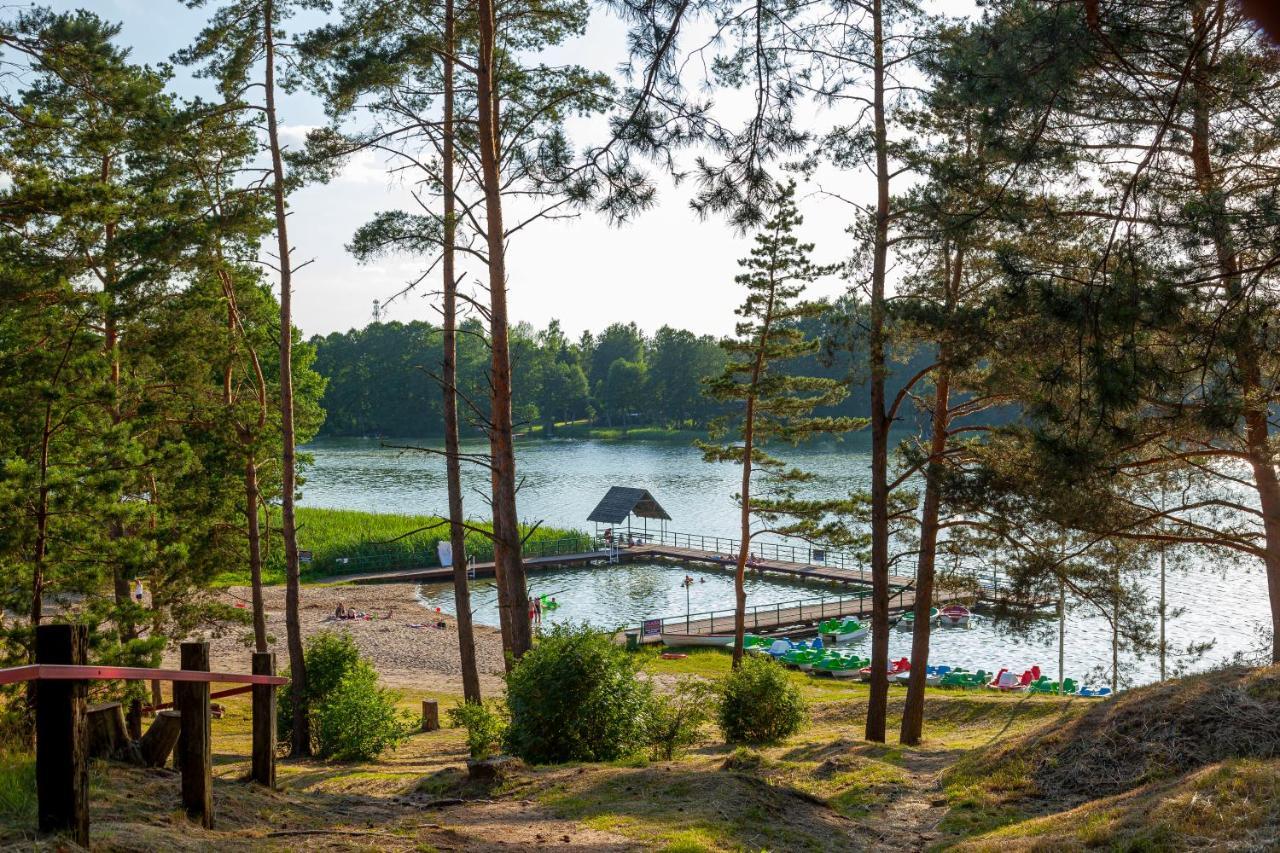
pixel 620 503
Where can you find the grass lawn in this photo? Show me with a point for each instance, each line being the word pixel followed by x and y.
pixel 969 786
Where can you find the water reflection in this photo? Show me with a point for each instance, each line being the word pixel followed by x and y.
pixel 565 479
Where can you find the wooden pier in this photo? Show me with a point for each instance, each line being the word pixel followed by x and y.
pixel 779 559
pixel 631 553
pixel 796 618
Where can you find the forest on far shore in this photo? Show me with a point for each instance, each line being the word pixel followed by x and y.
pixel 382 378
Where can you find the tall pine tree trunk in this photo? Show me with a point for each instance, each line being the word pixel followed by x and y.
pixel 301 734
pixel 452 442
pixel 513 597
pixel 254 537
pixel 111 344
pixel 913 713
pixel 1257 438
pixel 877 710
pixel 740 573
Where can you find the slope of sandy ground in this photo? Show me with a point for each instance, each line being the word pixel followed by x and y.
pixel 423 657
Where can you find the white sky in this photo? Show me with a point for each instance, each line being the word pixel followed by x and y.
pixel 667 267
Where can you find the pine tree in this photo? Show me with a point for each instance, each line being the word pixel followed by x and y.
pixel 240 43
pixel 775 405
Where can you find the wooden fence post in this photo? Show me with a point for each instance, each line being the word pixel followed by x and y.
pixel 62 773
pixel 133 720
pixel 264 722
pixel 430 715
pixel 194 745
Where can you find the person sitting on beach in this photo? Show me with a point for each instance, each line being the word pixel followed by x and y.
pixel 341 612
pixel 351 613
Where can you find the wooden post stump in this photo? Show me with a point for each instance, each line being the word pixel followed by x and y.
pixel 430 715
pixel 133 720
pixel 62 772
pixel 107 735
pixel 264 722
pixel 194 744
pixel 160 738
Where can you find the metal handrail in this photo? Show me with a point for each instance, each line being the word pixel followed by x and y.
pixel 811 555
pixel 752 615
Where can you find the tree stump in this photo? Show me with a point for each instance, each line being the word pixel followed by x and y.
pixel 160 738
pixel 430 715
pixel 493 770
pixel 107 735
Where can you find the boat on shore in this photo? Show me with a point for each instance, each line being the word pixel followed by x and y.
pixel 932 675
pixel 955 616
pixel 964 679
pixel 839 663
pixel 715 640
pixel 896 668
pixel 1007 681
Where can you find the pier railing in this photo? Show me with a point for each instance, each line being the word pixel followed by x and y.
pixel 804 555
pixel 771 616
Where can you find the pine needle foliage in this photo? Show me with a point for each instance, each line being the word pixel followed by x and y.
pixel 768 402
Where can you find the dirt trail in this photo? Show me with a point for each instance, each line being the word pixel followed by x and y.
pixel 909 821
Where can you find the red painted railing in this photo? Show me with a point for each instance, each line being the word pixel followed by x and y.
pixel 66 672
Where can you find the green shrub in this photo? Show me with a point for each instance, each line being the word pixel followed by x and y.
pixel 675 720
pixel 759 704
pixel 575 697
pixel 352 718
pixel 484 724
pixel 329 657
pixel 358 720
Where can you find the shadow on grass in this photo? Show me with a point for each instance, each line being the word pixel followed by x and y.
pixel 669 804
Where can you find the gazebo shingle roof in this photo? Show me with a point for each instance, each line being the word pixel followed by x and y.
pixel 620 501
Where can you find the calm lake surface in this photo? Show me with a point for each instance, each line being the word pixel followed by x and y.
pixel 564 479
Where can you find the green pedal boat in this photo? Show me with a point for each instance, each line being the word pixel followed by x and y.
pixel 842 631
pixel 839 663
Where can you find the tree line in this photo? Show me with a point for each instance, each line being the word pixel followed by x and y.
pixel 383 380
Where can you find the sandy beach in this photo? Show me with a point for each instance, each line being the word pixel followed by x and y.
pixel 424 658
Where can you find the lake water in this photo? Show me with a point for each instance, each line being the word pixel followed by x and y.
pixel 564 479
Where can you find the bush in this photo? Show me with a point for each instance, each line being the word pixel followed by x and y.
pixel 329 657
pixel 352 718
pixel 575 697
pixel 759 704
pixel 358 720
pixel 675 720
pixel 484 724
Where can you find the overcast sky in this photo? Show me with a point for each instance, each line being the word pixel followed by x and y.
pixel 667 267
